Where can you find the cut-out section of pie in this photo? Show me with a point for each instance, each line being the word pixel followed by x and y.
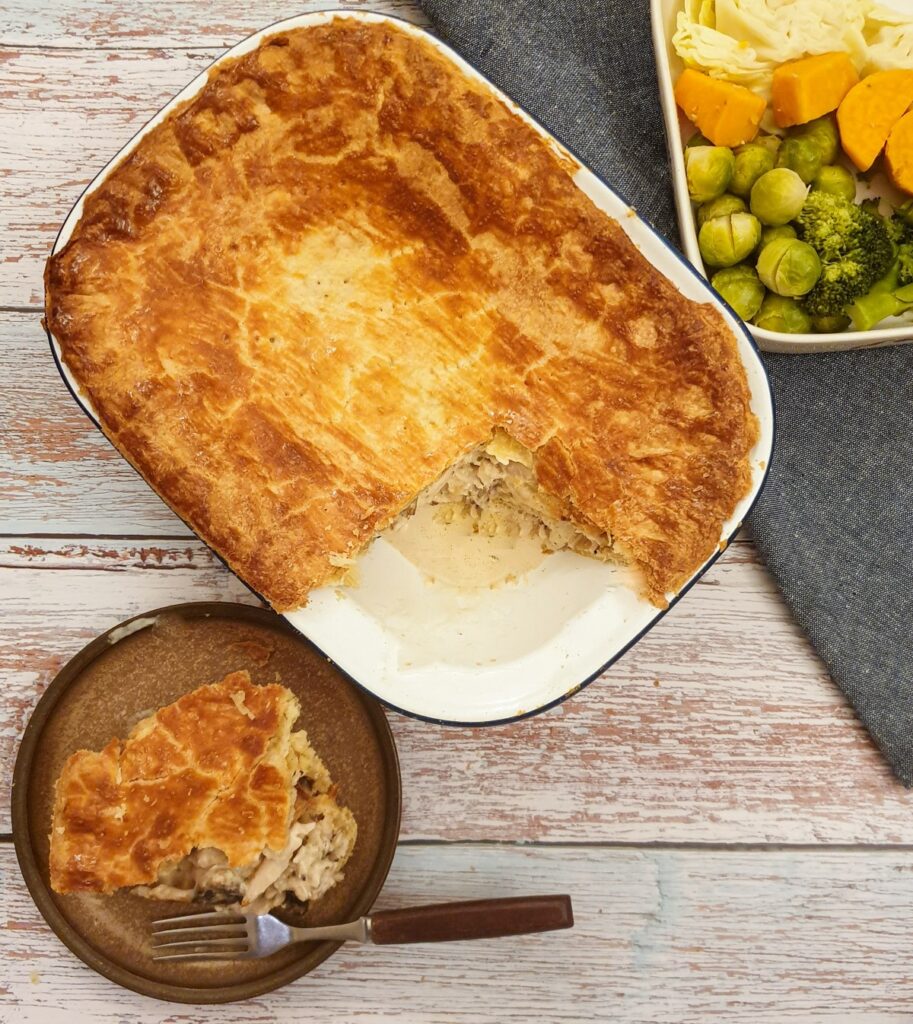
pixel 325 286
pixel 211 798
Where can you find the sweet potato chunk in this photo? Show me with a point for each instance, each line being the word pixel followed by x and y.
pixel 899 154
pixel 727 114
pixel 870 110
pixel 808 88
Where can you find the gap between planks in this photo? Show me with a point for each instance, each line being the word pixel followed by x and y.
pixel 7 839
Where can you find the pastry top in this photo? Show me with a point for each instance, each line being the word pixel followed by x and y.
pixel 213 769
pixel 345 263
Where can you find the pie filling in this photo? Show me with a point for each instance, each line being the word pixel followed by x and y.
pixel 321 837
pixel 495 486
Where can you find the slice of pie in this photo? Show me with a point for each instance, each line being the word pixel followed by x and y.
pixel 212 798
pixel 345 278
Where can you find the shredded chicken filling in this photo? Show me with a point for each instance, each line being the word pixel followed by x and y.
pixel 497 485
pixel 321 837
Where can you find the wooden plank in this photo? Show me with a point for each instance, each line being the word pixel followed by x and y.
pixel 173 23
pixel 669 937
pixel 719 726
pixel 58 474
pixel 63 115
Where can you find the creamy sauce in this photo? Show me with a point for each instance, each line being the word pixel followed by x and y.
pixel 441 541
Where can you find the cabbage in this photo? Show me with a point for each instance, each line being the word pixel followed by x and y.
pixel 743 41
pixel 719 55
pixel 783 30
pixel 889 34
pixel 891 47
pixel 891 15
pixel 700 11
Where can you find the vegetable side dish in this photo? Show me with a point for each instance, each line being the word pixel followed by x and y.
pixel 793 102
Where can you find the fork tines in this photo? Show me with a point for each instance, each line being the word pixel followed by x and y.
pixel 202 915
pixel 222 936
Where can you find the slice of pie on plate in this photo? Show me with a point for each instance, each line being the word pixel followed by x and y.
pixel 346 277
pixel 212 798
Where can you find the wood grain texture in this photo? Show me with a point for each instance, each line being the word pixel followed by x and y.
pixel 669 937
pixel 121 24
pixel 58 474
pixel 719 726
pixel 63 116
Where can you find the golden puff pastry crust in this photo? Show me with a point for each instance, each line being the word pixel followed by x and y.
pixel 340 268
pixel 213 769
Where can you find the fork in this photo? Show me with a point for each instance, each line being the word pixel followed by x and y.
pixel 252 936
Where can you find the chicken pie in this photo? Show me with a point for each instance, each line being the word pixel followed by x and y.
pixel 346 278
pixel 212 798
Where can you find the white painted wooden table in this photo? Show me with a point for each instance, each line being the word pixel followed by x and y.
pixel 735 847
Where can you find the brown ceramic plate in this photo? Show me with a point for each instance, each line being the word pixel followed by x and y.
pixel 139 666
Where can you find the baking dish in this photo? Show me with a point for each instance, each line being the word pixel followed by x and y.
pixel 489 655
pixel 668 67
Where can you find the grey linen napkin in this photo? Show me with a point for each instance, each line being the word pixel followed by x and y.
pixel 835 521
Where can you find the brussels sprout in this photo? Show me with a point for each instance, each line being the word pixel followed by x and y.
pixel 789 267
pixel 836 180
pixel 784 231
pixel 778 196
pixel 741 288
pixel 719 207
pixel 785 315
pixel 750 163
pixel 709 170
pixel 801 155
pixel 830 324
pixel 770 142
pixel 823 132
pixel 697 140
pixel 725 241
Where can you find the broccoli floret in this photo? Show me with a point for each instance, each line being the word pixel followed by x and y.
pixel 830 224
pixel 900 232
pixel 839 284
pixel 872 205
pixel 854 245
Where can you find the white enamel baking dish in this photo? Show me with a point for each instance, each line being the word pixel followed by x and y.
pixel 669 66
pixel 487 656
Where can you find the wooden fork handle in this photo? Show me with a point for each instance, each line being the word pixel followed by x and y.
pixel 476 919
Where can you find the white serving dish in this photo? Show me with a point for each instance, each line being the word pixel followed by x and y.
pixel 487 656
pixel 678 130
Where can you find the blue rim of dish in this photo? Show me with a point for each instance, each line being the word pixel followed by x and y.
pixel 713 296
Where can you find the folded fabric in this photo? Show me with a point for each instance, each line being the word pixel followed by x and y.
pixel 835 522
